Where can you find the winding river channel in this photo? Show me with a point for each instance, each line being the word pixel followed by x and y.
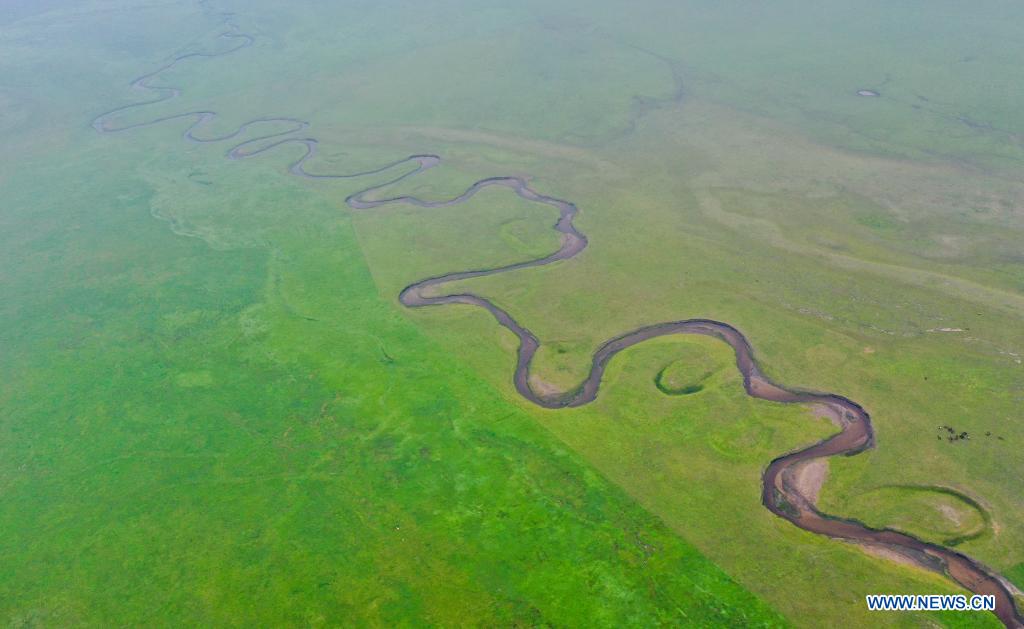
pixel 780 493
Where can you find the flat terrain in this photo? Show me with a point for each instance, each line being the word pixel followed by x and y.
pixel 216 410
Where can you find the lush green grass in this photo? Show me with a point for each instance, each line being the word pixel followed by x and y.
pixel 687 372
pixel 934 513
pixel 223 417
pixel 872 334
pixel 696 461
pixel 1016 574
pixel 211 418
pixel 228 434
pixel 850 271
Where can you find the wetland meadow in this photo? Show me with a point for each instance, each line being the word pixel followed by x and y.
pixel 498 314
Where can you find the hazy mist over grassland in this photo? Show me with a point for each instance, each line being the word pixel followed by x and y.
pixel 213 409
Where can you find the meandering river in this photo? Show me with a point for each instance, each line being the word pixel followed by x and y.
pixel 780 492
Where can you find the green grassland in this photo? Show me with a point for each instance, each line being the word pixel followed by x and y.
pixel 211 418
pixel 223 435
pixel 947 516
pixel 216 412
pixel 1016 574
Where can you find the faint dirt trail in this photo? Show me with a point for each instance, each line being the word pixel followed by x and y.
pixel 781 490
